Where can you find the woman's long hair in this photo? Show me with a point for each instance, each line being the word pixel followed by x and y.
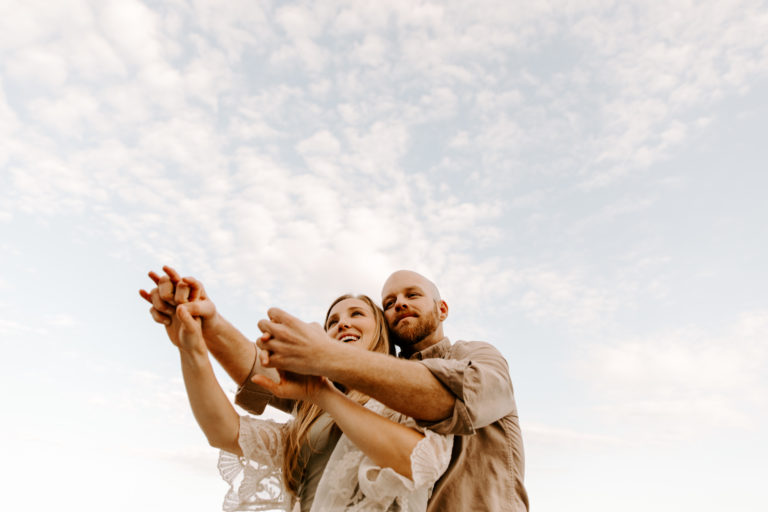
pixel 307 412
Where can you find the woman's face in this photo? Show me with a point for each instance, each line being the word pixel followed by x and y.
pixel 352 321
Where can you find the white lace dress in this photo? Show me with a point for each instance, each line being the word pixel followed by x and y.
pixel 350 482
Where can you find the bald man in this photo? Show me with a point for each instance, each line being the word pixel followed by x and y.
pixel 460 388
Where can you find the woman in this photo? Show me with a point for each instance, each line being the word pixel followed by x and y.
pixel 380 462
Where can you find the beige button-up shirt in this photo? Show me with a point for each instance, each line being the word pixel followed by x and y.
pixel 487 466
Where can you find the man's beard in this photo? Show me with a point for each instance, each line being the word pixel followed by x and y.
pixel 407 336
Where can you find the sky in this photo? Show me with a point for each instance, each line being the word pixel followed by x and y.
pixel 583 180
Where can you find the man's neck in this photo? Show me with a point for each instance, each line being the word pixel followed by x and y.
pixel 434 338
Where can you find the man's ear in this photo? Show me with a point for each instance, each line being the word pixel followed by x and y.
pixel 442 307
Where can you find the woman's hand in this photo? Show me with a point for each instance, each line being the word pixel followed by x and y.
pixel 186 331
pixel 295 386
pixel 173 291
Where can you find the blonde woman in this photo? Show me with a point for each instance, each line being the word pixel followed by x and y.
pixel 342 451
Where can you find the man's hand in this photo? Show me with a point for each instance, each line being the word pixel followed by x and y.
pixel 292 345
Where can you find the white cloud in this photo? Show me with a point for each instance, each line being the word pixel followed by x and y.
pixel 39 66
pixel 322 142
pixel 234 26
pixel 134 29
pixel 10 328
pixel 684 383
pixel 69 114
pixel 63 320
pixel 233 191
pixel 663 66
pixel 372 51
pixel 29 22
pixel 543 434
pixel 550 295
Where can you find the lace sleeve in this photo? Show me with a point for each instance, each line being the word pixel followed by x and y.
pixel 353 482
pixel 256 479
pixel 429 460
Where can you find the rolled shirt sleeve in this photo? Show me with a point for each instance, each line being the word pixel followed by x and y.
pixel 253 398
pixel 478 376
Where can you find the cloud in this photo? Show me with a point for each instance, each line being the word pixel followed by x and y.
pixel 543 434
pixel 685 383
pixel 38 65
pixel 189 138
pixel 322 142
pixel 62 320
pixel 134 29
pixel 551 295
pixel 663 67
pixel 14 328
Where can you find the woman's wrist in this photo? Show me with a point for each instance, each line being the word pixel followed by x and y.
pixel 195 354
pixel 324 396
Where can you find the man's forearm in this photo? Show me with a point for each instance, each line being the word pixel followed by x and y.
pixel 231 348
pixel 405 386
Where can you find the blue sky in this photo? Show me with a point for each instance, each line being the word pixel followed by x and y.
pixel 583 180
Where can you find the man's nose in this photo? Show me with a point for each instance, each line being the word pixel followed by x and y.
pixel 400 304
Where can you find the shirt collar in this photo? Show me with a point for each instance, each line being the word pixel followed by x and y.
pixel 436 351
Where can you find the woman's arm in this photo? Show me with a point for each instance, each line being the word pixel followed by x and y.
pixel 228 345
pixel 387 443
pixel 211 407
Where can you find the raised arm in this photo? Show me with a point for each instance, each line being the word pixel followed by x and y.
pixel 210 406
pixel 235 352
pixel 405 386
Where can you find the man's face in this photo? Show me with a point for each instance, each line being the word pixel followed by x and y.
pixel 410 308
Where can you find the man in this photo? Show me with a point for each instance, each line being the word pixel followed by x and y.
pixel 462 388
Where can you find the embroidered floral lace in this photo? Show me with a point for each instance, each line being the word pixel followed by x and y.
pixel 350 482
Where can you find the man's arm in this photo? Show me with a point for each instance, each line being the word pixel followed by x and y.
pixel 405 386
pixel 231 348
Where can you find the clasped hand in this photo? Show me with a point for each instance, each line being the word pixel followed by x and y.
pixel 182 306
pixel 292 345
pixel 288 344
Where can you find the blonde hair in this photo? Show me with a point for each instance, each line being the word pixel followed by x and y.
pixel 307 412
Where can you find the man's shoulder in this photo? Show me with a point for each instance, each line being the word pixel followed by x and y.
pixel 461 348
